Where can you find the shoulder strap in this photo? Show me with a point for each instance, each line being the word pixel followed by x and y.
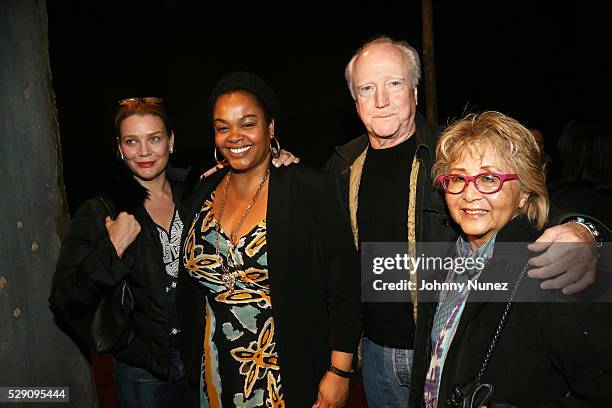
pixel 500 327
pixel 108 205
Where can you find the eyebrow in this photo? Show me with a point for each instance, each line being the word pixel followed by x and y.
pixel 249 116
pixel 159 132
pixel 488 168
pixel 387 78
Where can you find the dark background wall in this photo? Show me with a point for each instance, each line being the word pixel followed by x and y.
pixel 542 63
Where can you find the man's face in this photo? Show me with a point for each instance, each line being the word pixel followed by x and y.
pixel 385 97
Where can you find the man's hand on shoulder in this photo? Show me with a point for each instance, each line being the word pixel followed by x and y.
pixel 568 258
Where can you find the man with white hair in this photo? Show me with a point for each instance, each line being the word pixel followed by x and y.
pixel 386 177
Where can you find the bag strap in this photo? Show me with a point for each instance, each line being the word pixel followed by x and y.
pixel 110 208
pixel 500 327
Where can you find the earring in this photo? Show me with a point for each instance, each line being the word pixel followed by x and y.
pixel 171 149
pixel 121 155
pixel 217 159
pixel 275 149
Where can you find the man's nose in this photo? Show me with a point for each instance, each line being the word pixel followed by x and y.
pixel 381 97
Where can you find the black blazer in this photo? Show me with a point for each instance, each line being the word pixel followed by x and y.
pixel 314 279
pixel 549 354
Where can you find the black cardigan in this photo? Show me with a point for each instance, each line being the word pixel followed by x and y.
pixel 88 267
pixel 314 279
pixel 549 354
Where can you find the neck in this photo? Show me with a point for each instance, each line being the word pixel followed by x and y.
pixel 478 241
pixel 244 183
pixel 475 244
pixel 159 186
pixel 400 136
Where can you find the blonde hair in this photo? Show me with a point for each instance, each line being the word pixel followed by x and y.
pixel 410 55
pixel 510 140
pixel 136 106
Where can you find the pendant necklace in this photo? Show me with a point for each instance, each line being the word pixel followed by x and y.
pixel 233 270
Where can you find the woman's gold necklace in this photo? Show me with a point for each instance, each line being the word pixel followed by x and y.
pixel 229 276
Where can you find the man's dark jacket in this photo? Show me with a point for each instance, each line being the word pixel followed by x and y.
pixel 433 223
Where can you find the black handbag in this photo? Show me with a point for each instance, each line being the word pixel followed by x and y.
pixel 476 394
pixel 111 326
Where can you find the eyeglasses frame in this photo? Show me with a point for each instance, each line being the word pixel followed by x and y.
pixel 503 177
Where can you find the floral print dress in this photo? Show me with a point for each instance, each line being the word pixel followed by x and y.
pixel 240 364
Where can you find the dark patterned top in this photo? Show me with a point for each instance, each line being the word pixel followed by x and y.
pixel 171 245
pixel 240 365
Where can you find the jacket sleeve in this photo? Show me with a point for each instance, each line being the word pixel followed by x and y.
pixel 578 335
pixel 87 267
pixel 580 338
pixel 560 214
pixel 343 270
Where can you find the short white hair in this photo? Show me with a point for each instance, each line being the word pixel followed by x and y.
pixel 411 56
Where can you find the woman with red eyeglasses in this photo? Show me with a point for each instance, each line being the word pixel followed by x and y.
pixel 505 347
pixel 132 232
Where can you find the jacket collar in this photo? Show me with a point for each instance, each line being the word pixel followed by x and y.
pixel 425 142
pixel 518 231
pixel 126 194
pixel 278 220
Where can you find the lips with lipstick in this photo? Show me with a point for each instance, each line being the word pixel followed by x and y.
pixel 146 164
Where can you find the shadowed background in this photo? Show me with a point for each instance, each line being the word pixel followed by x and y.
pixel 540 64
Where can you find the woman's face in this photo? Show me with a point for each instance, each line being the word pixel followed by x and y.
pixel 145 145
pixel 241 133
pixel 479 215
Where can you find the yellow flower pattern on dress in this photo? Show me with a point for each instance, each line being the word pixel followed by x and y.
pixel 245 296
pixel 240 365
pixel 259 355
pixel 275 398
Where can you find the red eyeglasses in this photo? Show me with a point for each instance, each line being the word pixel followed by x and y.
pixel 486 183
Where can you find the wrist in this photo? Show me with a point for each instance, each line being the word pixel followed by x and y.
pixel 590 227
pixel 340 373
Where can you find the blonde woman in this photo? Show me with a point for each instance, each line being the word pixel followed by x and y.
pixel 513 354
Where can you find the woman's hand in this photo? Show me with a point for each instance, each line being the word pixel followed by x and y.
pixel 286 158
pixel 333 391
pixel 122 231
